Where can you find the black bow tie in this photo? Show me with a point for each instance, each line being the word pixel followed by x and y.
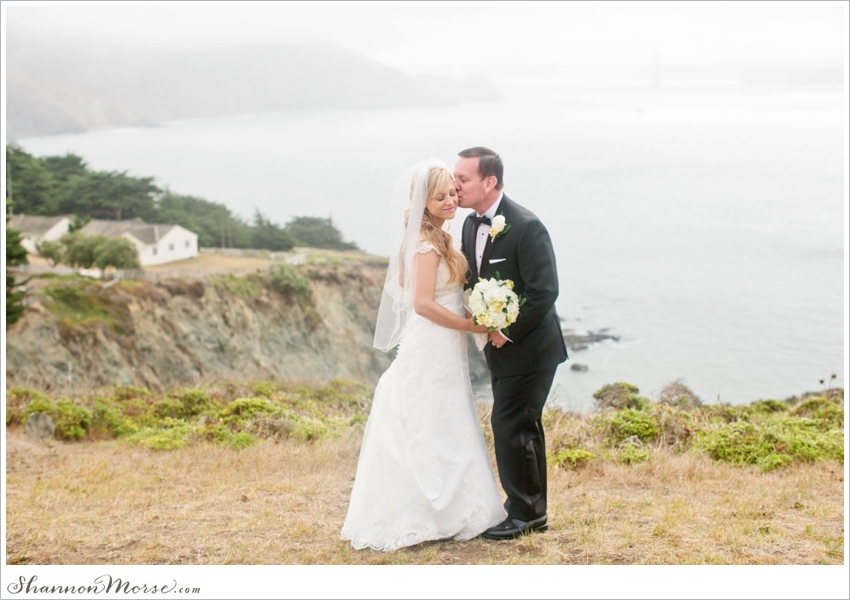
pixel 479 220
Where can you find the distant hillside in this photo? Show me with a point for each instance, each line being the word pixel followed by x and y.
pixel 53 90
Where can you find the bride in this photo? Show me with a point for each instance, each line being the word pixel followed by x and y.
pixel 424 472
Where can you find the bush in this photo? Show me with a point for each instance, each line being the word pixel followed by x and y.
pixel 72 421
pixel 52 250
pixel 767 407
pixel 117 252
pixel 289 282
pixel 218 434
pixel 240 411
pixel 22 402
pixel 244 287
pixel 631 455
pixel 626 423
pixel 828 412
pixel 764 445
pixel 110 419
pixel 676 426
pixel 618 396
pixel 677 394
pixel 171 437
pixel 570 458
pixel 263 388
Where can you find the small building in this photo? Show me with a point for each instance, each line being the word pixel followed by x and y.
pixel 36 229
pixel 157 243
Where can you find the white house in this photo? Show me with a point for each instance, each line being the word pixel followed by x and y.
pixel 156 243
pixel 39 229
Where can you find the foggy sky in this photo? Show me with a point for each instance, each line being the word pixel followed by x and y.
pixel 460 39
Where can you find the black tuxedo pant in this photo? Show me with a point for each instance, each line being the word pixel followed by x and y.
pixel 520 444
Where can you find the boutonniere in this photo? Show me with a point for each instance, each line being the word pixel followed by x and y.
pixel 498 227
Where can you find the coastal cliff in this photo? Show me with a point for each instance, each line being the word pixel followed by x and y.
pixel 78 334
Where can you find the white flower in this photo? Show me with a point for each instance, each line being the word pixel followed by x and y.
pixel 497 226
pixel 494 303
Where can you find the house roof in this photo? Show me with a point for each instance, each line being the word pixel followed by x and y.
pixel 33 225
pixel 147 233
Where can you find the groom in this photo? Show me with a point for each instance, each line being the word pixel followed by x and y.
pixel 523 362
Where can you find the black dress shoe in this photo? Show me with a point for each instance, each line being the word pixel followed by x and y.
pixel 512 528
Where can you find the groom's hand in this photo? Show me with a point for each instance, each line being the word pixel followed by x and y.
pixel 497 339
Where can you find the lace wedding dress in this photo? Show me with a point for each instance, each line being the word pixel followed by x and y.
pixel 424 472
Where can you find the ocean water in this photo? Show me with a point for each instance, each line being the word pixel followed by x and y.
pixel 704 227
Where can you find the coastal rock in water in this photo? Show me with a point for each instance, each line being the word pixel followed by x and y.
pixel 581 340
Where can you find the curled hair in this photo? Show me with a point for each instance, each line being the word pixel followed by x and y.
pixel 489 163
pixel 440 238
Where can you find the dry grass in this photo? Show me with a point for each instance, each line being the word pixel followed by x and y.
pixel 284 503
pixel 214 262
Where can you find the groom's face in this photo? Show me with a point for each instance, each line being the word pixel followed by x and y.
pixel 471 188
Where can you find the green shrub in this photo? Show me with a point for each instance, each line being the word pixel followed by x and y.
pixel 289 282
pixel 110 419
pixel 828 412
pixel 312 318
pixel 746 443
pixel 263 388
pixel 128 392
pixel 308 429
pixel 17 401
pixel 171 437
pixel 184 403
pixel 72 421
pixel 631 455
pixel 240 411
pixel 78 301
pixel 619 396
pixel 626 423
pixel 571 458
pixel 221 435
pixel 676 425
pixel 679 395
pixel 244 287
pixel 768 407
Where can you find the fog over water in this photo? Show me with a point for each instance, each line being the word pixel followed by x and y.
pixel 687 160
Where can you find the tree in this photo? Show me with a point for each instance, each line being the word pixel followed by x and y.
pixel 213 222
pixel 16 255
pixel 62 168
pixel 116 252
pixel 315 232
pixel 79 223
pixel 110 195
pixel 269 236
pixel 29 186
pixel 80 249
pixel 51 250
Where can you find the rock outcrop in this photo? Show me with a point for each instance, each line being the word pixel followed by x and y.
pixel 181 332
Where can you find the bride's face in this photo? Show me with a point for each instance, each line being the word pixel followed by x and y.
pixel 443 205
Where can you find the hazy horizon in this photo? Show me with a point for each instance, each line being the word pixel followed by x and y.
pixel 461 40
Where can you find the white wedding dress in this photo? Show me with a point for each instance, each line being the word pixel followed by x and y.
pixel 424 471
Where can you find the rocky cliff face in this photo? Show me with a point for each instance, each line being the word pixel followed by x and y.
pixel 77 334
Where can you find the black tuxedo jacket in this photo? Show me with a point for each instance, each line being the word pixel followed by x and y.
pixel 523 254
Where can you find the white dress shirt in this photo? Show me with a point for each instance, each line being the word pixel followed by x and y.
pixel 484 231
pixel 481 239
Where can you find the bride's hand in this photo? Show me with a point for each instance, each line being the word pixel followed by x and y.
pixel 473 328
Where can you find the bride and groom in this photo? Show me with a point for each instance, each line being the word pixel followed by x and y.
pixel 424 471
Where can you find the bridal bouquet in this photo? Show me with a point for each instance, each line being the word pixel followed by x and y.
pixel 494 303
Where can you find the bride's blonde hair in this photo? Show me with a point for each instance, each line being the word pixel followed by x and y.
pixel 440 238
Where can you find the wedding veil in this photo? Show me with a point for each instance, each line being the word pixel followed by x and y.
pixel 410 191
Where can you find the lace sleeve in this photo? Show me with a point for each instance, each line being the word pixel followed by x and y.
pixel 422 247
